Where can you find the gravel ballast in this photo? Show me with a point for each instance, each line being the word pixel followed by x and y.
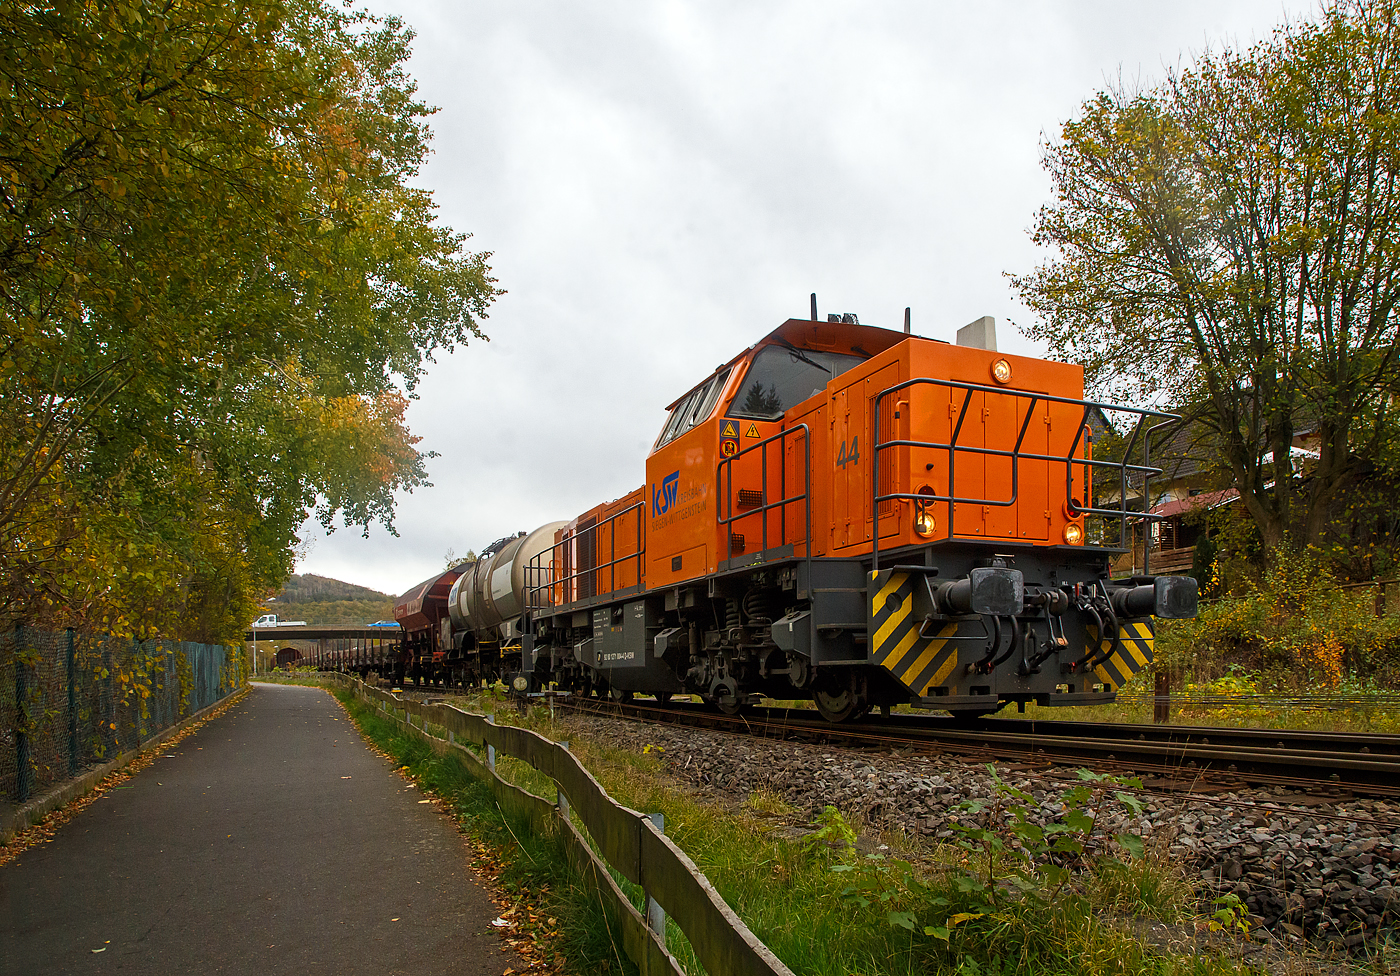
pixel 1325 870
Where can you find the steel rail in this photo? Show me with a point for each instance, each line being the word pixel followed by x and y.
pixel 1354 744
pixel 1199 788
pixel 1183 765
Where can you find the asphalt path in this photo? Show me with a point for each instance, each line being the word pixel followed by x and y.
pixel 271 841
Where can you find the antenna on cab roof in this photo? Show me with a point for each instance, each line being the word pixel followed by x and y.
pixel 814 306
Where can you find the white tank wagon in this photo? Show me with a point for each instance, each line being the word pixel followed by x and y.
pixel 487 602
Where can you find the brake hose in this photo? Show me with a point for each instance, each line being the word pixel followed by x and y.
pixel 1010 645
pixel 994 644
pixel 1089 608
pixel 1115 641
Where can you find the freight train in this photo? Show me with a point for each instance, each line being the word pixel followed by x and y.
pixel 851 515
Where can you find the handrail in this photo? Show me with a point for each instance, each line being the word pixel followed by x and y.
pixel 629 841
pixel 536 569
pixel 1016 455
pixel 766 506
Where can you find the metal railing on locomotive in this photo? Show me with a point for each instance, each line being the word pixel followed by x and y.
pixel 1122 514
pixel 726 465
pixel 540 572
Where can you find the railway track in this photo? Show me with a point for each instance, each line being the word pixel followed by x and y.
pixel 1186 758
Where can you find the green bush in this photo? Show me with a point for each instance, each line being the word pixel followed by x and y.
pixel 1295 624
pixel 1017 897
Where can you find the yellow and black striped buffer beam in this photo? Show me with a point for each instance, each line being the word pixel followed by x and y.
pixel 919 661
pixel 1134 652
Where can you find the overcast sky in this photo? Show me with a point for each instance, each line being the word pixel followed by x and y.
pixel 663 183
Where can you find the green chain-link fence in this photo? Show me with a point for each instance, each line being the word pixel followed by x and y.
pixel 69 701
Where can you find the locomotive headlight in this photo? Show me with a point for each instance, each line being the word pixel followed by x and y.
pixel 1074 534
pixel 1001 371
pixel 924 522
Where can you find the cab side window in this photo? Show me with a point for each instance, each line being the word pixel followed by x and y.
pixel 695 407
pixel 706 405
pixel 677 417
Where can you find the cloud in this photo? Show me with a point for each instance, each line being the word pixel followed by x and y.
pixel 664 183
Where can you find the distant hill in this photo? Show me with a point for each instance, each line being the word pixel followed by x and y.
pixel 317 589
pixel 325 602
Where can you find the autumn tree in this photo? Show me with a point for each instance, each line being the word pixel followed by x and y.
pixel 218 287
pixel 1228 243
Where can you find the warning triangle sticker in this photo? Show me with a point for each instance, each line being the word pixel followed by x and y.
pixel 729 429
pixel 752 431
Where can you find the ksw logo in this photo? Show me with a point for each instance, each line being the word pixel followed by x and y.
pixel 664 497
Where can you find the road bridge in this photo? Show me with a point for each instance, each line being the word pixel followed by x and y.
pixel 324 633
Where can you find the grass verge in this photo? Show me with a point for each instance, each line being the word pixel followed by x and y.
pixel 824 902
pixel 530 870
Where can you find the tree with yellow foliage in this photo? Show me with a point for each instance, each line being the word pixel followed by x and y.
pixel 217 290
pixel 1227 242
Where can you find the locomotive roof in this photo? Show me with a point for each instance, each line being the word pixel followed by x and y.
pixel 842 337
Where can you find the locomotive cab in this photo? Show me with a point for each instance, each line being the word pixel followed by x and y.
pixel 725 439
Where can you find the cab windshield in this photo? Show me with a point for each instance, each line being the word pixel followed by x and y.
pixel 783 376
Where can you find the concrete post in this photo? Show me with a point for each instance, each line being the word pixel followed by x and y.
pixel 562 801
pixel 656 915
pixel 72 707
pixel 490 749
pixel 22 771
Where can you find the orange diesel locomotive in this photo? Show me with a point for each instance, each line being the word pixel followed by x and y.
pixel 849 514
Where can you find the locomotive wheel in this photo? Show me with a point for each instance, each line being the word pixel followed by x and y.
pixel 846 706
pixel 663 698
pixel 618 695
pixel 730 704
